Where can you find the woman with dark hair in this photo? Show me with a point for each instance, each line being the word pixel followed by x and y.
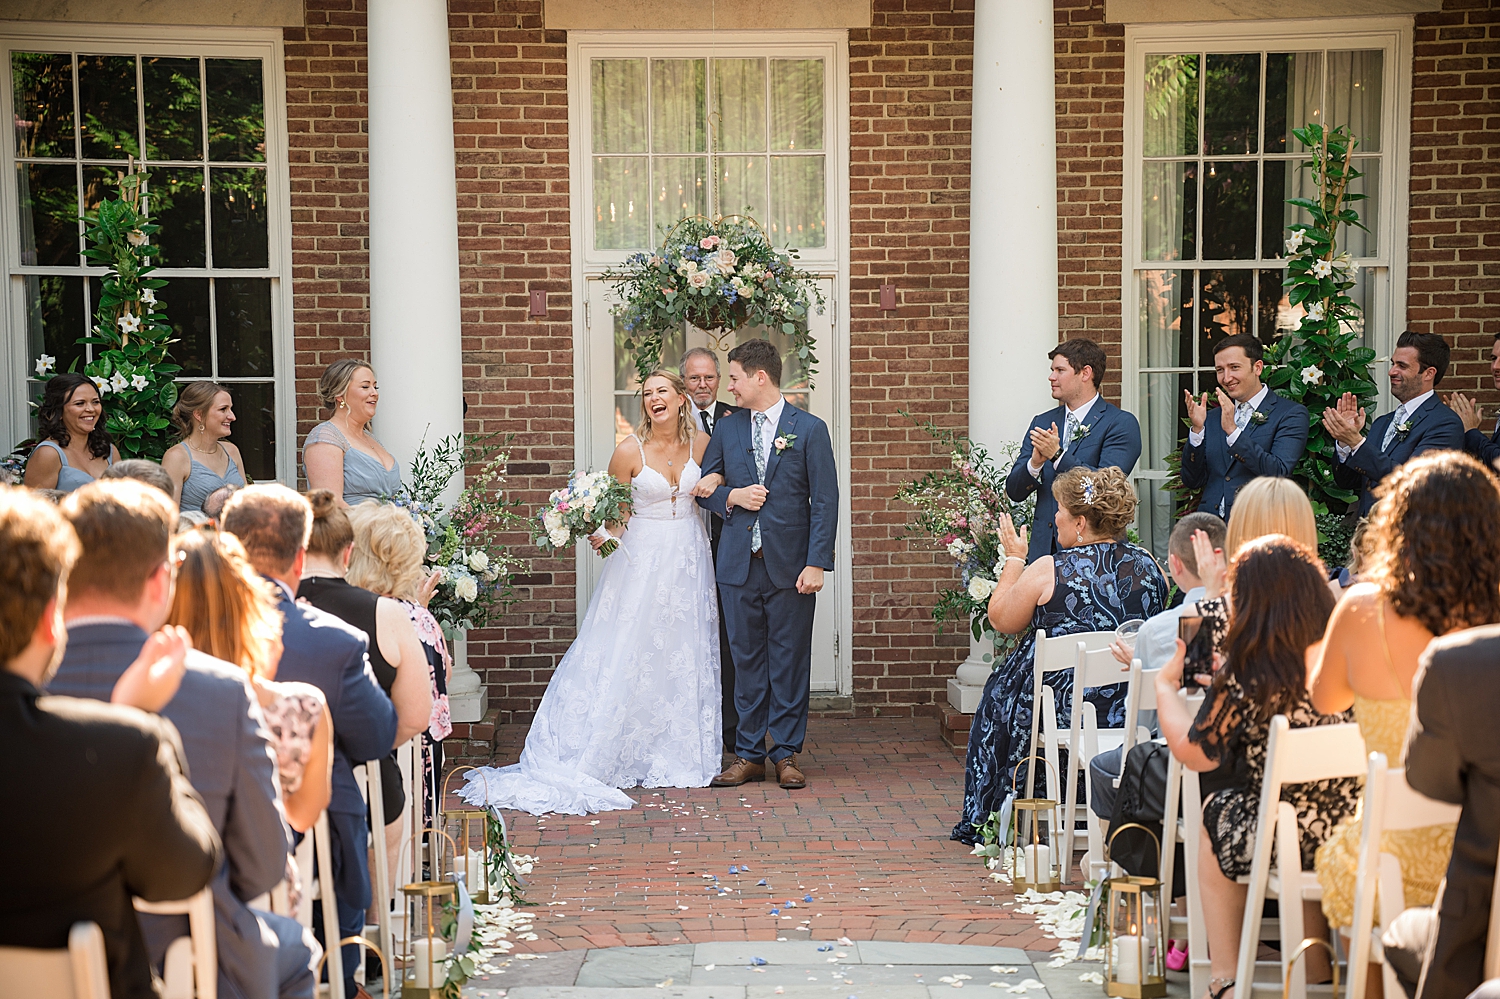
pixel 1432 567
pixel 75 448
pixel 1279 604
pixel 1095 582
pixel 204 461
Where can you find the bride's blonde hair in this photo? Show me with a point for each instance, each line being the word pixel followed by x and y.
pixel 685 428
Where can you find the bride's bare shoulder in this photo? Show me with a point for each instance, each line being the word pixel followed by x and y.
pixel 625 464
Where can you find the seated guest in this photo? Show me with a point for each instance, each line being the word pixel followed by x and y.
pixel 76 761
pixel 214 505
pixel 1256 432
pixel 1421 423
pixel 75 448
pixel 140 470
pixel 1353 570
pixel 122 589
pixel 1095 582
pixel 1278 606
pixel 203 461
pixel 1434 568
pixel 273 524
pixel 1266 506
pixel 1480 441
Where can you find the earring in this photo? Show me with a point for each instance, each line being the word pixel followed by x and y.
pixel 1080 537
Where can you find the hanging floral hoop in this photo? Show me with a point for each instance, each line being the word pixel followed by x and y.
pixel 721 275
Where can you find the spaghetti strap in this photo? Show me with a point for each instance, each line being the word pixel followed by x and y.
pixel 639 447
pixel 1385 647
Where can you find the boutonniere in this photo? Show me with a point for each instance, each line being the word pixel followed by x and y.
pixel 784 442
pixel 1257 417
pixel 1081 432
pixel 1402 430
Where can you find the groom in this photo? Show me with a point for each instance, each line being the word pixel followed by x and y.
pixel 779 502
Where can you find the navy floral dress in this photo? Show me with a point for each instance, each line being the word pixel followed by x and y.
pixel 1095 587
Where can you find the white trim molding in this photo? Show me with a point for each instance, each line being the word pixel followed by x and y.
pixel 726 15
pixel 1170 11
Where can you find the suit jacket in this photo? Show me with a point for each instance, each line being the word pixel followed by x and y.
pixel 233 769
pixel 1273 448
pixel 799 519
pixel 1453 756
pixel 1485 448
pixel 715 521
pixel 108 815
pixel 1434 427
pixel 1113 440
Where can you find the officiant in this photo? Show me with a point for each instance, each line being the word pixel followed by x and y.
pixel 700 370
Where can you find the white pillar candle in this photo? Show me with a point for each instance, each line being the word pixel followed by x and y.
pixel 428 960
pixel 1128 960
pixel 476 871
pixel 1037 863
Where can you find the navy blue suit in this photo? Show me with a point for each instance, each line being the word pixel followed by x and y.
pixel 1434 427
pixel 1113 440
pixel 322 650
pixel 1486 449
pixel 1272 447
pixel 770 623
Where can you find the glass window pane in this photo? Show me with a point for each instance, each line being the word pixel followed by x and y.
pixel 1354 87
pixel 255 427
pixel 1166 318
pixel 1294 96
pixel 100 183
pixel 236 110
pixel 677 106
pixel 742 186
pixel 796 104
pixel 621 219
pixel 239 217
pixel 186 302
pixel 1229 210
pixel 175 197
pixel 1227 308
pixel 619 105
pixel 740 100
pixel 48 199
pixel 1166 414
pixel 1358 242
pixel 1171 105
pixel 1231 104
pixel 43 84
pixel 243 309
pixel 55 320
pixel 793 368
pixel 799 215
pixel 1155 516
pixel 681 189
pixel 1274 313
pixel 106 100
pixel 1273 208
pixel 1169 210
pixel 174 113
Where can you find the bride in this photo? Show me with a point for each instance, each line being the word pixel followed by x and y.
pixel 635 701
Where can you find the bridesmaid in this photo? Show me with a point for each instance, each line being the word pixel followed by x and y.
pixel 341 455
pixel 204 461
pixel 75 448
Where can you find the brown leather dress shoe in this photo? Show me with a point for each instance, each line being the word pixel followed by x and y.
pixel 788 776
pixel 739 772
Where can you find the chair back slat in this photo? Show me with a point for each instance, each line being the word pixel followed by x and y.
pixel 1299 755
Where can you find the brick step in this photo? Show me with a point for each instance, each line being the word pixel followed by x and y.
pixel 953 726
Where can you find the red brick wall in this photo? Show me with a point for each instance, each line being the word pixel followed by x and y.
pixel 1453 272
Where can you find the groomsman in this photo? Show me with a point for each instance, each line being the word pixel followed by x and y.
pixel 1257 432
pixel 1093 434
pixel 1485 448
pixel 700 369
pixel 1420 423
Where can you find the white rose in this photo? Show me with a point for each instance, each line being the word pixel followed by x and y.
pixel 552 521
pixel 558 537
pixel 687 268
pixel 980 588
pixel 956 549
pixel 589 502
pixel 726 259
pixel 466 589
pixel 479 561
pixel 698 279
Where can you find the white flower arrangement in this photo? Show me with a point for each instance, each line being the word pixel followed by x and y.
pixel 587 502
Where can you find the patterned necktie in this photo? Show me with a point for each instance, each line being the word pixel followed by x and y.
pixel 1390 430
pixel 708 427
pixel 1070 432
pixel 760 472
pixel 1242 413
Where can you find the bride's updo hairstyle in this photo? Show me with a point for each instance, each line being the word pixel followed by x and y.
pixel 1104 497
pixel 685 426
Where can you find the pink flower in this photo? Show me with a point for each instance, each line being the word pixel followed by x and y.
pixel 561 507
pixel 949 539
pixel 709 242
pixel 961 522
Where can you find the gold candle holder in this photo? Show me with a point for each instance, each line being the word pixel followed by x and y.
pixel 1135 931
pixel 1034 863
pixel 468 827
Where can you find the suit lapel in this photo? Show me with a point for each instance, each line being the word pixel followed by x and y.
pixel 786 425
pixel 1267 409
pixel 1415 421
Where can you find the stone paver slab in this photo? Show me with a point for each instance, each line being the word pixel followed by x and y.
pixel 892 952
pixel 771 951
pixel 846 974
pixel 637 967
pixel 577 992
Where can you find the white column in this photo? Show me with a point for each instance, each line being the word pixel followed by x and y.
pixel 415 343
pixel 1012 239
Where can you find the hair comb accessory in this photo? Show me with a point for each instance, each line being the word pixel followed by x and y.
pixel 1088 490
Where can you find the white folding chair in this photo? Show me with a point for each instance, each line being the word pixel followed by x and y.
pixel 1091 668
pixel 374 791
pixel 320 889
pixel 1390 804
pixel 191 967
pixel 1293 756
pixel 1141 696
pixel 1182 786
pixel 1054 654
pixel 77 971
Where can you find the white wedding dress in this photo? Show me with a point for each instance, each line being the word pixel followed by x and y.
pixel 635 701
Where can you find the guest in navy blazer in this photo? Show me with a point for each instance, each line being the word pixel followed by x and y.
pixel 1083 431
pixel 274 523
pixel 1484 447
pixel 1257 432
pixel 1421 423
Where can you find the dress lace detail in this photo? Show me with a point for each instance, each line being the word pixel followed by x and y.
pixel 292 719
pixel 635 701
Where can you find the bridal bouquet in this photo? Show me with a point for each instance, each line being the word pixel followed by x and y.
pixel 587 503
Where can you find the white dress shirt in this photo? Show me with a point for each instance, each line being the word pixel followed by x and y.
pixel 1195 437
pixel 773 419
pixel 698 420
pixel 1411 407
pixel 1034 467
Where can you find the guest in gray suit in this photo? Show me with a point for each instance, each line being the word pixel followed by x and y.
pixel 121 590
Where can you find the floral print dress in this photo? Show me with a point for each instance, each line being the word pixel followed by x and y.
pixel 1095 587
pixel 439 724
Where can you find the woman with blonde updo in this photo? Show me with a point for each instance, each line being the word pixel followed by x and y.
pixel 204 461
pixel 1096 582
pixel 341 455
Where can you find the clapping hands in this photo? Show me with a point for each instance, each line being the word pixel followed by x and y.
pixel 1212 568
pixel 1045 443
pixel 1012 542
pixel 1346 422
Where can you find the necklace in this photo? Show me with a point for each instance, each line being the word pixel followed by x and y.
pixel 213 450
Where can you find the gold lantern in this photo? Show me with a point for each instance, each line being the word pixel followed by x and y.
pixel 425 948
pixel 1135 931
pixel 1333 961
pixel 469 830
pixel 1034 862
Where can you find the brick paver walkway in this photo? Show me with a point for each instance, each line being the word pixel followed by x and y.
pixel 867 841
